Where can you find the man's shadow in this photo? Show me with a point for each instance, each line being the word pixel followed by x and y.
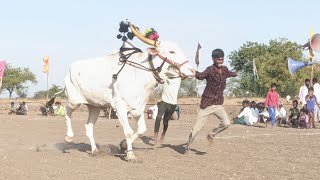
pixel 178 148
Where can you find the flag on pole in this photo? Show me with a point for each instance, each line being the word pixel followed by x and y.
pixel 45 68
pixel 2 67
pixel 197 54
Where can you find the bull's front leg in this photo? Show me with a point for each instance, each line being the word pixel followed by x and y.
pixel 127 130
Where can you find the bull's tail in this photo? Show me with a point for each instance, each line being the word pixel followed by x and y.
pixel 60 91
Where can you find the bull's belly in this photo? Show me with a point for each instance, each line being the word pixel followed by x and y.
pixel 98 99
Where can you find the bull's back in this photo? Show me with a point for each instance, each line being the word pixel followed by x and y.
pixel 89 81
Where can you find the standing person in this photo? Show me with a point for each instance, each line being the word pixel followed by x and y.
pixel 304 91
pixel 212 97
pixel 272 101
pixel 167 106
pixel 316 88
pixel 311 100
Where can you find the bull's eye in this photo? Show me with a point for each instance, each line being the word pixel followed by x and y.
pixel 172 52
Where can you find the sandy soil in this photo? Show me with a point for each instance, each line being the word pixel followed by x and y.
pixel 32 147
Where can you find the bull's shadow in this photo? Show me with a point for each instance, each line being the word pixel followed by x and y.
pixel 108 149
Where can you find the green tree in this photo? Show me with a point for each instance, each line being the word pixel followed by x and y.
pixel 54 89
pixel 16 79
pixel 271 63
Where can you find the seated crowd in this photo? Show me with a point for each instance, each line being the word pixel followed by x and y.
pixel 251 113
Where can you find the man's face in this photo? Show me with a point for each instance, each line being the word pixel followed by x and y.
pixel 218 61
pixel 308 83
pixel 295 104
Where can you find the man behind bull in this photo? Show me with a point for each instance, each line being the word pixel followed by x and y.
pixel 212 97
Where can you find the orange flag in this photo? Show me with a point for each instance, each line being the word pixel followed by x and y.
pixel 45 68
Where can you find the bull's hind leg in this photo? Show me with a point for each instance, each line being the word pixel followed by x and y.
pixel 70 135
pixel 92 119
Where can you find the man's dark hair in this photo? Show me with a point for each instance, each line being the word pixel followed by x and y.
pixel 217 53
pixel 273 85
pixel 295 101
pixel 314 80
pixel 306 80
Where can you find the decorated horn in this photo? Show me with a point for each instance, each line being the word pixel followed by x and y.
pixel 139 35
pixel 294 66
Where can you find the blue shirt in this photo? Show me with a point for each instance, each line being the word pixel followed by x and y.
pixel 311 102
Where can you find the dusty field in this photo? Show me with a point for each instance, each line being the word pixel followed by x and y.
pixel 32 147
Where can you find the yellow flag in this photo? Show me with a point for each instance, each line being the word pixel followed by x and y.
pixel 45 68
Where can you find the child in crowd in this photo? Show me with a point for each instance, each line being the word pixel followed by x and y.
pixel 272 101
pixel 59 111
pixel 282 115
pixel 22 109
pixel 311 102
pixel 12 109
pixel 293 118
pixel 303 119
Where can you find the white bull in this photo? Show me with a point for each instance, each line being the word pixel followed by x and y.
pixel 90 82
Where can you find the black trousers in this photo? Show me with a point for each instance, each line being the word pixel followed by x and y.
pixel 166 110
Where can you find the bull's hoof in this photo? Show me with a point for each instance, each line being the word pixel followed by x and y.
pixel 131 157
pixel 95 152
pixel 68 140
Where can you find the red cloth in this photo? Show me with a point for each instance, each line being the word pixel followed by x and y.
pixel 272 98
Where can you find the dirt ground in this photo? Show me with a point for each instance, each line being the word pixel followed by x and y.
pixel 32 147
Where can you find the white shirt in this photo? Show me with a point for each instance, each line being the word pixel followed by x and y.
pixel 303 93
pixel 316 88
pixel 255 114
pixel 247 114
pixel 282 112
pixel 170 90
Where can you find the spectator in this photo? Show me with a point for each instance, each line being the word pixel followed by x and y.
pixel 59 111
pixel 304 91
pixel 293 118
pixel 272 101
pixel 303 119
pixel 255 111
pixel 22 109
pixel 245 117
pixel 311 102
pixel 316 87
pixel 282 115
pixel 13 109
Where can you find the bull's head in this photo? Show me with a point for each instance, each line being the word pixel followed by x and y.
pixel 176 62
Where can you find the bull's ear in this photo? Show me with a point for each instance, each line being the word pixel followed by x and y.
pixel 153 51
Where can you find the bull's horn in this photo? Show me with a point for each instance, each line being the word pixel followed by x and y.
pixel 137 33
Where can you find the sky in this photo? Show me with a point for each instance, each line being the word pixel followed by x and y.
pixel 72 30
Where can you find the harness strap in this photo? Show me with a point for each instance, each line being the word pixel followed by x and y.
pixel 156 73
pixel 124 58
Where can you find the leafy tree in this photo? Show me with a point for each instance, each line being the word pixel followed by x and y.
pixel 16 79
pixel 54 89
pixel 271 63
